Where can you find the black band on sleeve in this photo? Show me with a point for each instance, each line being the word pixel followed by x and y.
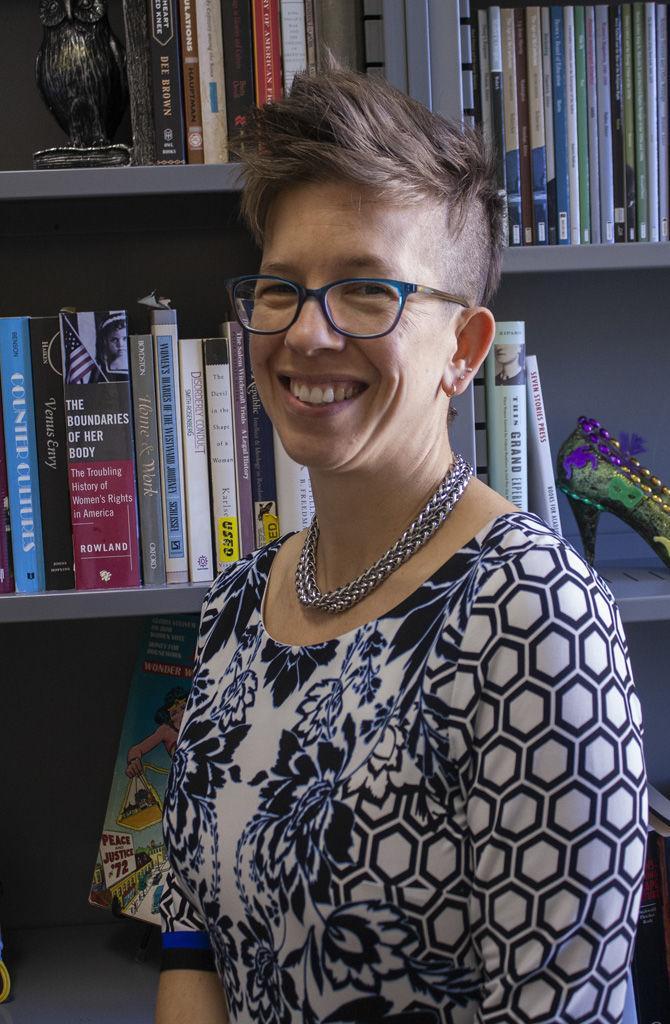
pixel 187 960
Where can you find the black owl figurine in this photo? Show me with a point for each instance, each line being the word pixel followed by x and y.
pixel 81 73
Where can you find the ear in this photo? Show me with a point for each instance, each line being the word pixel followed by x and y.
pixel 475 329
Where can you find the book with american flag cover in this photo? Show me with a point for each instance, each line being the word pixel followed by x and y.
pixel 100 455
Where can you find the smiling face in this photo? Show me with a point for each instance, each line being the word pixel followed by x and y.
pixel 388 398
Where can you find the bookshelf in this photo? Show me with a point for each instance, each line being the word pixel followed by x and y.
pixel 92 237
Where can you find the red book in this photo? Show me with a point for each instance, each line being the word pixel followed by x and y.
pixel 267 50
pixel 101 466
pixel 6 570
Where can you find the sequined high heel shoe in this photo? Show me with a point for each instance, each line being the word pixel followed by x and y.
pixel 598 475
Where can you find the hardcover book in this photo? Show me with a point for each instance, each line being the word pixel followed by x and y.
pixel 629 120
pixel 640 74
pixel 225 519
pixel 166 81
pixel 238 379
pixel 548 92
pixel 166 355
pixel 617 106
pixel 147 457
pixel 485 78
pixel 130 871
pixel 21 451
pixel 295 502
pixel 663 56
pixel 6 564
pixel 47 364
pixel 212 82
pixel 339 26
pixel 511 118
pixel 583 155
pixel 604 125
pixel 263 481
pixel 100 454
pixel 569 57
pixel 293 40
pixel 558 65
pixel 652 124
pixel 238 63
pixel 497 103
pixel 592 115
pixel 524 126
pixel 190 64
pixel 538 150
pixel 267 50
pixel 196 460
pixel 505 374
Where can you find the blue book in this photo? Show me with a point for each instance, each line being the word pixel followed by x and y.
pixel 261 446
pixel 21 447
pixel 560 127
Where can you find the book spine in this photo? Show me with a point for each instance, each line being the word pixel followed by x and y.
pixel 481 442
pixel 604 125
pixel 571 115
pixel 293 40
pixel 592 114
pixel 49 401
pixel 476 76
pixel 663 56
pixel 267 50
pixel 652 990
pixel 652 124
pixel 196 460
pixel 212 82
pixel 100 455
pixel 497 103
pixel 263 482
pixel 339 26
pixel 166 81
pixel 235 335
pixel 138 69
pixel 511 131
pixel 221 451
pixel 166 354
pixel 548 92
pixel 524 126
pixel 295 502
pixel 506 413
pixel 21 451
pixel 536 122
pixel 6 563
pixel 188 23
pixel 629 120
pixel 310 36
pixel 640 72
pixel 147 458
pixel 583 155
pixel 542 496
pixel 485 79
pixel 560 126
pixel 238 64
pixel 616 102
pixel 467 74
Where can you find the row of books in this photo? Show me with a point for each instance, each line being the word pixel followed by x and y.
pixel 195 67
pixel 573 101
pixel 128 460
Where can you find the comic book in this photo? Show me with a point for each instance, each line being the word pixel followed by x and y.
pixel 131 866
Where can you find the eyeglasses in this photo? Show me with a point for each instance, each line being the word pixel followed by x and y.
pixel 357 307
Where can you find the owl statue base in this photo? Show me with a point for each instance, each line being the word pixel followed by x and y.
pixel 117 155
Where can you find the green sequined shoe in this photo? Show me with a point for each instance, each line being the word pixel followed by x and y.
pixel 598 475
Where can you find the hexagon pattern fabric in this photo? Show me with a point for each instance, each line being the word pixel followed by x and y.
pixel 437 817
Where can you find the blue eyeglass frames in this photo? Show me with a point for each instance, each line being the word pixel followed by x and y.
pixel 358 313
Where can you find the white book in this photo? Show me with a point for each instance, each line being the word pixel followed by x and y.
pixel 485 78
pixel 548 97
pixel 295 503
pixel 663 121
pixel 196 460
pixel 604 125
pixel 293 40
pixel 652 122
pixel 571 116
pixel 592 115
pixel 166 356
pixel 221 438
pixel 506 424
pixel 542 495
pixel 212 82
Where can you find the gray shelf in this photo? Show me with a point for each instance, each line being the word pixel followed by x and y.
pixel 83 974
pixel 643 594
pixel 92 183
pixel 176 599
pixel 542 259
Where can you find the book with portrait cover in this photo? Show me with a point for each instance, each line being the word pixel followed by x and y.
pixel 130 870
pixel 47 363
pixel 507 431
pixel 100 453
pixel 6 564
pixel 21 451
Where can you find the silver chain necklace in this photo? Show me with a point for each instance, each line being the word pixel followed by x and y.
pixel 420 530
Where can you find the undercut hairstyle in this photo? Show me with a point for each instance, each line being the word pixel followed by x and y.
pixel 343 126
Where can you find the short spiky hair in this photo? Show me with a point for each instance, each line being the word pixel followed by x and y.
pixel 340 125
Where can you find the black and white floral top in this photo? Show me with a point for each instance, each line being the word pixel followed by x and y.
pixel 438 817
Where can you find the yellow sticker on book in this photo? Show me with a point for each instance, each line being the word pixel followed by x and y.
pixel 270 527
pixel 227 543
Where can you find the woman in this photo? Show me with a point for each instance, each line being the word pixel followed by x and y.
pixel 420 798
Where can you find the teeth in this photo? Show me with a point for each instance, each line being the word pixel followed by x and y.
pixel 322 395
